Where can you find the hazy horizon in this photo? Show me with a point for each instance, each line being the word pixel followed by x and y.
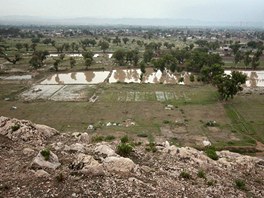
pixel 202 10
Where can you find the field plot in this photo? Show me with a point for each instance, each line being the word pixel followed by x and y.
pixel 58 92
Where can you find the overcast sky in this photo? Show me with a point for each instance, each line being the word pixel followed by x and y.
pixel 206 10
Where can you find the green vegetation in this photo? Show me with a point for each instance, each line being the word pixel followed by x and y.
pixel 124 149
pixel 15 127
pixel 240 184
pixel 201 174
pixel 185 175
pixel 211 153
pixel 46 154
pixel 151 147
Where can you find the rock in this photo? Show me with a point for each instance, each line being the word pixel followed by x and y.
pixel 77 147
pixel 84 137
pixel 105 150
pixel 52 162
pixel 41 173
pixel 26 131
pixel 90 127
pixel 207 143
pixel 28 151
pixel 119 164
pixel 87 164
pixel 76 134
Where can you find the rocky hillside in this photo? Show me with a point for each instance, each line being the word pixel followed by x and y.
pixel 38 161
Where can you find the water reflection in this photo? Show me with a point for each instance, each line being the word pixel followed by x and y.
pixel 89 77
pixel 254 78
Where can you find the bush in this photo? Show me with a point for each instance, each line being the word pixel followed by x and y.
pixel 201 174
pixel 60 177
pixel 144 135
pixel 211 183
pixel 124 149
pixel 192 79
pixel 151 147
pixel 211 153
pixel 46 154
pixel 124 139
pixel 240 184
pixel 15 127
pixel 185 175
pixel 109 138
pixel 97 138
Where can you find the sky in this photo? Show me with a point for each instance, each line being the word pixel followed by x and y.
pixel 205 10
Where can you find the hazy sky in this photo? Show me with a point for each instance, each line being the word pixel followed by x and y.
pixel 208 10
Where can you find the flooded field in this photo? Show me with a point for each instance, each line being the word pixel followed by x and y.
pixel 255 78
pixel 23 77
pixel 58 92
pixel 89 77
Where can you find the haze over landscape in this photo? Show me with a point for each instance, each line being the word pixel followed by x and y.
pixel 136 12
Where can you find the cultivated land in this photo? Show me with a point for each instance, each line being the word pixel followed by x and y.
pixel 239 123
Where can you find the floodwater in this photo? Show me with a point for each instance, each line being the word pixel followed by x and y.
pixel 254 78
pixel 133 76
pixel 23 77
pixel 89 77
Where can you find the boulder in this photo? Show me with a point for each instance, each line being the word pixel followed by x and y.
pixel 77 147
pixel 105 151
pixel 52 162
pixel 119 164
pixel 87 165
pixel 41 173
pixel 84 137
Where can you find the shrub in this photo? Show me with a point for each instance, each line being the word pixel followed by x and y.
pixel 192 79
pixel 124 139
pixel 211 153
pixel 97 138
pixel 151 147
pixel 240 184
pixel 46 154
pixel 210 183
pixel 60 177
pixel 109 138
pixel 142 135
pixel 15 127
pixel 185 175
pixel 201 174
pixel 124 149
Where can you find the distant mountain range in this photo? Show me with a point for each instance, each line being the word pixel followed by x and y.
pixel 30 20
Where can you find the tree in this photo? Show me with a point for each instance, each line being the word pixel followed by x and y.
pixel 104 45
pixel 16 58
pixel 148 55
pixel 19 46
pixel 247 58
pixel 72 62
pixel 230 85
pixel 125 40
pixel 117 40
pixel 88 58
pixel 37 59
pixel 209 73
pixel 26 46
pixel 119 55
pixel 56 64
pixel 35 40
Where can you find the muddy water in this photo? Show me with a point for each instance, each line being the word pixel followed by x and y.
pixel 133 76
pixel 89 77
pixel 254 78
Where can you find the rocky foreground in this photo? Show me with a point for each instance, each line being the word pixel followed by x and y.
pixel 75 167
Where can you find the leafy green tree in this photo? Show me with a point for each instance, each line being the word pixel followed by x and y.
pixel 72 62
pixel 125 40
pixel 247 58
pixel 104 45
pixel 37 59
pixel 56 64
pixel 26 46
pixel 230 85
pixel 88 58
pixel 16 58
pixel 116 40
pixel 120 55
pixel 148 55
pixel 19 46
pixel 88 62
pixel 209 73
pixel 35 40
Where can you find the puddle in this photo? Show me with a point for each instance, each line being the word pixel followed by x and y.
pixel 255 78
pixel 23 77
pixel 70 55
pixel 89 77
